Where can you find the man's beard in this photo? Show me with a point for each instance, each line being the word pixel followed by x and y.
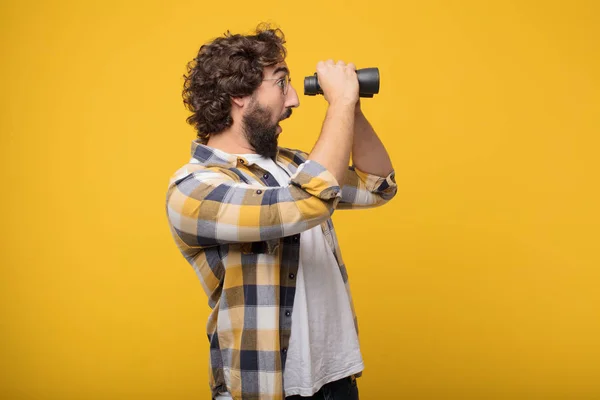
pixel 260 131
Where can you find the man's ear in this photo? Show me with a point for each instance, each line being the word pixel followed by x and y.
pixel 239 101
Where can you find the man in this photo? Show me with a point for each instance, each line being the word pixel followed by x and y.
pixel 254 220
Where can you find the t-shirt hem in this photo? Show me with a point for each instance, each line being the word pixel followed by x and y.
pixel 305 392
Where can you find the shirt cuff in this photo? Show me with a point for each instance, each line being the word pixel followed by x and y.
pixel 377 184
pixel 316 180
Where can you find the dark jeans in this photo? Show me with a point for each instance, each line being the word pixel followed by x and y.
pixel 344 389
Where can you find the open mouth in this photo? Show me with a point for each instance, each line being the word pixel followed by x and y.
pixel 285 116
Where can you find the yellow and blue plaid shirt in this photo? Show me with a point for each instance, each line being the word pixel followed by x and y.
pixel 240 231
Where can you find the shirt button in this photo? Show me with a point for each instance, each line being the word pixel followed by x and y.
pixel 265 176
pixel 258 191
pixel 284 350
pixel 292 276
pixel 296 238
pixel 287 313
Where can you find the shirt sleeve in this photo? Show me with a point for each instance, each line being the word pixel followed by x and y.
pixel 362 190
pixel 207 207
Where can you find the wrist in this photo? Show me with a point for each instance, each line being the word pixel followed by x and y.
pixel 342 106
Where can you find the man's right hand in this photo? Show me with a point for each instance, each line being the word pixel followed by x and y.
pixel 339 82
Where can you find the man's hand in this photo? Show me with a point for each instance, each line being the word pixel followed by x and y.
pixel 338 82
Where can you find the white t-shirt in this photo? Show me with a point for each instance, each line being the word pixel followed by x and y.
pixel 323 344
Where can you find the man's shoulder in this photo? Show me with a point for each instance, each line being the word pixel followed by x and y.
pixel 200 171
pixel 292 155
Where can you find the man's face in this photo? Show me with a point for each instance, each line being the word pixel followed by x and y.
pixel 271 103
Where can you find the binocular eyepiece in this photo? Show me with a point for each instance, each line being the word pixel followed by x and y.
pixel 368 83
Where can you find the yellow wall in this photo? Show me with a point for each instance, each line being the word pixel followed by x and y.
pixel 479 281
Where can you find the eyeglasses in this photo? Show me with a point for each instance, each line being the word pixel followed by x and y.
pixel 283 83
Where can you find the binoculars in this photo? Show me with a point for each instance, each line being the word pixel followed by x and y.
pixel 368 83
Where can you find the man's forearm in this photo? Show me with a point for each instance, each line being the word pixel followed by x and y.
pixel 334 145
pixel 368 152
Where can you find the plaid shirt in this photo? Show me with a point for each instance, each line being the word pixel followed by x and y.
pixel 240 230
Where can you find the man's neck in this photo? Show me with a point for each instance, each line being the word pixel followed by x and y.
pixel 230 141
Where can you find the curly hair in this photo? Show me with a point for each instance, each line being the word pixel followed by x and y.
pixel 229 66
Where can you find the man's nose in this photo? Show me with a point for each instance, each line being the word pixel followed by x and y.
pixel 292 100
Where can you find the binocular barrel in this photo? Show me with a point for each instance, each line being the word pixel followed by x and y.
pixel 368 83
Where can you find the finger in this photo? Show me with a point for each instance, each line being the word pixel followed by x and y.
pixel 320 66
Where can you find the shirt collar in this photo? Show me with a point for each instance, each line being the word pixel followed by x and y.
pixel 209 156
